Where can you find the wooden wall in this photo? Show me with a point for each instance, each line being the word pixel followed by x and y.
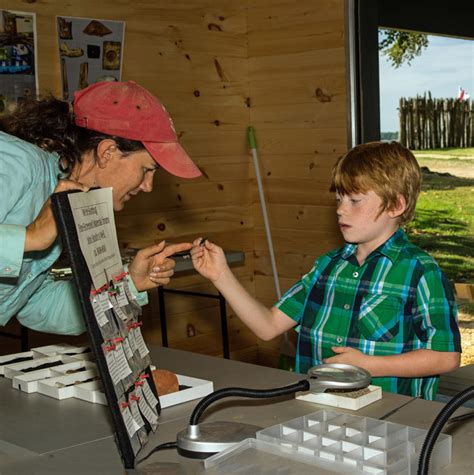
pixel 297 77
pixel 219 66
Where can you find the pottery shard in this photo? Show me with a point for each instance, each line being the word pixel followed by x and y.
pixel 96 28
pixel 165 381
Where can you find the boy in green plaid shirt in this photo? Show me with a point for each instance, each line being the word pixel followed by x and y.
pixel 378 302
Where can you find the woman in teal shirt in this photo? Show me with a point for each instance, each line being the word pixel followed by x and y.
pixel 117 135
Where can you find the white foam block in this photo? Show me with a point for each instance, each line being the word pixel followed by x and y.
pixel 352 400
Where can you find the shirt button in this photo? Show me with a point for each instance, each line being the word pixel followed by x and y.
pixel 347 306
pixel 339 339
pixel 7 269
pixel 355 274
pixel 30 275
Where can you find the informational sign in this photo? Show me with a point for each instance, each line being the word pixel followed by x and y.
pixel 90 51
pixel 95 224
pixel 18 77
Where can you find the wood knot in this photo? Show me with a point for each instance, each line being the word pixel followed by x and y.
pixel 214 27
pixel 190 330
pixel 196 93
pixel 321 96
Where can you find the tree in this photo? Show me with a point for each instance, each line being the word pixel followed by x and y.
pixel 401 46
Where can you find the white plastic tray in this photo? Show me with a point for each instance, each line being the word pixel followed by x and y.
pixel 360 443
pixel 198 388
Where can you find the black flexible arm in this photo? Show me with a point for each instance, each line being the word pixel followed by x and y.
pixel 438 425
pixel 302 385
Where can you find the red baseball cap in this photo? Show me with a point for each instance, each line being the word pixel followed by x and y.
pixel 128 110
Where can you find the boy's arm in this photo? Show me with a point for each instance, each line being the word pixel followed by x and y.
pixel 435 324
pixel 209 260
pixel 417 363
pixel 266 323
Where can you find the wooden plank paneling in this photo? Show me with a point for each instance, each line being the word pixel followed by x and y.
pixel 219 66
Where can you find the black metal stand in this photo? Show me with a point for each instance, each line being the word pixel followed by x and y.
pixel 222 309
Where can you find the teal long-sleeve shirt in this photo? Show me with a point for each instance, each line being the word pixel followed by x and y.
pixel 28 176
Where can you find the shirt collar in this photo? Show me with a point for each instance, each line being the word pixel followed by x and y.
pixel 390 248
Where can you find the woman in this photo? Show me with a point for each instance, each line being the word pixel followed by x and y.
pixel 117 136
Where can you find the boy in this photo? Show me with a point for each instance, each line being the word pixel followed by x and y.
pixel 379 302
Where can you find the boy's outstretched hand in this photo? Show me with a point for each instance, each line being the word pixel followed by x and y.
pixel 153 267
pixel 208 259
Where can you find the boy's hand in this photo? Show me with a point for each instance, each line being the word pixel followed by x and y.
pixel 208 259
pixel 348 355
pixel 153 267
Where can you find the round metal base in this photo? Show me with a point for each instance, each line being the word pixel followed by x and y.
pixel 212 437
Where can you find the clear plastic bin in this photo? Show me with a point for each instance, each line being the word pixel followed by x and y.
pixel 252 457
pixel 361 443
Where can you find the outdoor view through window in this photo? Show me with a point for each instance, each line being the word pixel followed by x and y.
pixel 426 84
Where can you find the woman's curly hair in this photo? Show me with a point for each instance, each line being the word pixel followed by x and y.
pixel 49 124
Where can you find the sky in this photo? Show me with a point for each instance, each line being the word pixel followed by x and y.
pixel 443 66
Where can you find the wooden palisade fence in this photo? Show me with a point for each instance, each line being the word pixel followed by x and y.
pixel 427 123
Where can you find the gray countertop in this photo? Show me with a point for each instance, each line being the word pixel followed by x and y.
pixel 40 435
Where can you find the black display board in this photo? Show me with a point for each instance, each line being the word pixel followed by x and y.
pixel 119 335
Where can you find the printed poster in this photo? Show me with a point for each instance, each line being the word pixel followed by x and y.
pixel 93 214
pixel 90 51
pixel 18 55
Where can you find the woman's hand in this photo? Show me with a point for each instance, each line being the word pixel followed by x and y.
pixel 42 232
pixel 208 259
pixel 152 266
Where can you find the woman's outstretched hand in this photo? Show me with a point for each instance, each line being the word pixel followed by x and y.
pixel 152 265
pixel 42 232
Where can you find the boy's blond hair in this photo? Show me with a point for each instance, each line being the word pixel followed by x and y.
pixel 387 168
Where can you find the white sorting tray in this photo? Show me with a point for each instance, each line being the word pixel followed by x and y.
pixel 28 382
pixel 198 388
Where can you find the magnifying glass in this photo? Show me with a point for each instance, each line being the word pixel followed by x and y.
pixel 337 376
pixel 203 440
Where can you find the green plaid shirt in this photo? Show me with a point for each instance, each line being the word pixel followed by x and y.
pixel 397 301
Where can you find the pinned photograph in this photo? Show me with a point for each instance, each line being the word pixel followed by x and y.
pixel 111 56
pixel 96 28
pixel 70 52
pixel 93 51
pixel 64 29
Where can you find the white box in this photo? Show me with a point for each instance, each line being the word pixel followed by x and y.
pixel 59 350
pixel 14 356
pixel 92 391
pixel 199 388
pixel 63 387
pixel 349 400
pixel 17 369
pixel 28 382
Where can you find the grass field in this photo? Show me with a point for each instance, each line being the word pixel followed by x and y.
pixel 444 224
